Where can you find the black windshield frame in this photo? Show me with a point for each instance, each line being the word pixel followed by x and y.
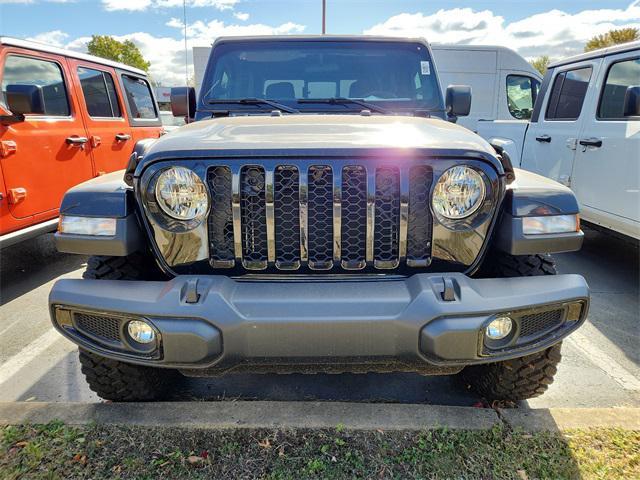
pixel 412 52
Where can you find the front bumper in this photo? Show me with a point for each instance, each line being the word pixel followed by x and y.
pixel 212 324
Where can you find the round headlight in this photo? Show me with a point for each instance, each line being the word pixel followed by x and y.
pixel 458 193
pixel 181 194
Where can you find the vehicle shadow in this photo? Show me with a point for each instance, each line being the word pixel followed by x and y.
pixel 31 264
pixel 611 267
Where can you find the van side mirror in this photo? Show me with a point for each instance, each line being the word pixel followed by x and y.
pixel 632 102
pixel 458 101
pixel 183 102
pixel 25 99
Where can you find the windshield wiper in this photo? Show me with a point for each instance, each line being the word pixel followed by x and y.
pixel 252 101
pixel 343 101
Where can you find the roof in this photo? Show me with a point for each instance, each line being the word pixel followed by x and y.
pixel 602 52
pixel 319 38
pixel 42 47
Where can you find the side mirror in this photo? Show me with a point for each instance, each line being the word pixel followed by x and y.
pixel 458 101
pixel 25 99
pixel 632 102
pixel 183 102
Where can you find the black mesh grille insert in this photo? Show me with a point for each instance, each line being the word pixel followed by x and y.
pixel 253 214
pixel 221 219
pixel 387 218
pixel 287 215
pixel 320 215
pixel 354 214
pixel 420 222
pixel 98 326
pixel 539 323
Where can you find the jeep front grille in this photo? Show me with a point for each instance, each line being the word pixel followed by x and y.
pixel 341 216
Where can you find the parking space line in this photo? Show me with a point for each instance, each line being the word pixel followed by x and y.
pixel 604 362
pixel 21 359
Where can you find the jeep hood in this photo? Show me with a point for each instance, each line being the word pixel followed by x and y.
pixel 315 132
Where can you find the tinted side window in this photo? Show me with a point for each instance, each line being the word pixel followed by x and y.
pixel 139 97
pixel 99 93
pixel 42 80
pixel 521 95
pixel 567 94
pixel 621 78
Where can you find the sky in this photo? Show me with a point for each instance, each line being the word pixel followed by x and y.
pixel 557 28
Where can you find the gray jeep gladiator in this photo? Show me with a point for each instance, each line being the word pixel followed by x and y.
pixel 324 213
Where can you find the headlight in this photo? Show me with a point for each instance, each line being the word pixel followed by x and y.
pixel 181 194
pixel 458 193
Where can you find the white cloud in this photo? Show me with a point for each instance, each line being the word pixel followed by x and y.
pixel 131 5
pixel 56 38
pixel 241 16
pixel 554 33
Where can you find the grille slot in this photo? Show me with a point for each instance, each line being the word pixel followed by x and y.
pixel 420 221
pixel 539 323
pixel 286 190
pixel 253 218
pixel 221 248
pixel 319 217
pixel 354 217
pixel 107 328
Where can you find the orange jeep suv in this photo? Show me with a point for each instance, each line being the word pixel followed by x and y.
pixel 65 117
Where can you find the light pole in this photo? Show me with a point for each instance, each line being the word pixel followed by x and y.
pixel 324 16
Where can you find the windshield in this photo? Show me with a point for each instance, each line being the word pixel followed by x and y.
pixel 393 75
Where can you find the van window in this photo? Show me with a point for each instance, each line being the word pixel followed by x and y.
pixel 139 98
pixel 99 93
pixel 522 92
pixel 621 77
pixel 46 78
pixel 567 94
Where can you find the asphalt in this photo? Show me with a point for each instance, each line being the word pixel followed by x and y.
pixel 600 368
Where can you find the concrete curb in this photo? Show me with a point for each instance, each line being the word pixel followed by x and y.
pixel 297 415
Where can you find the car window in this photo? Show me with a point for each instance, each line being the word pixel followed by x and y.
pixel 99 93
pixel 139 98
pixel 567 94
pixel 623 79
pixel 41 79
pixel 522 91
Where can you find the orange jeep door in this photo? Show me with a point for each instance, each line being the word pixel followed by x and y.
pixel 109 131
pixel 51 146
pixel 141 106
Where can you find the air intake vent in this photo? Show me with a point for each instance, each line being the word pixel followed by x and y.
pixel 101 326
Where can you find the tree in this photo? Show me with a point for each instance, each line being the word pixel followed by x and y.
pixel 612 37
pixel 541 63
pixel 125 52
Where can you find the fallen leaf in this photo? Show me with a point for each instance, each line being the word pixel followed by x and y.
pixel 204 454
pixel 281 452
pixel 265 443
pixel 22 444
pixel 117 469
pixel 522 474
pixel 195 460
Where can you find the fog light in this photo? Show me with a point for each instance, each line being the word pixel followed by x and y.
pixel 499 328
pixel 141 332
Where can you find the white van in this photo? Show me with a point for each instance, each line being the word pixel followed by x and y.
pixel 585 133
pixel 490 71
pixel 504 85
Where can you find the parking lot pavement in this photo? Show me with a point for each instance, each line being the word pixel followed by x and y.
pixel 601 365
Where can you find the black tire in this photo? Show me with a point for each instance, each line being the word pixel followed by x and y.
pixel 132 267
pixel 524 377
pixel 517 379
pixel 124 382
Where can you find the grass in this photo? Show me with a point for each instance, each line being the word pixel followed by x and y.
pixel 57 451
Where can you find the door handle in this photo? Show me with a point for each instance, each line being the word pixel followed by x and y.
pixel 544 138
pixel 76 141
pixel 123 137
pixel 591 142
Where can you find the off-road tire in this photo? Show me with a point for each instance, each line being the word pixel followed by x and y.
pixel 124 382
pixel 517 379
pixel 133 267
pixel 524 377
